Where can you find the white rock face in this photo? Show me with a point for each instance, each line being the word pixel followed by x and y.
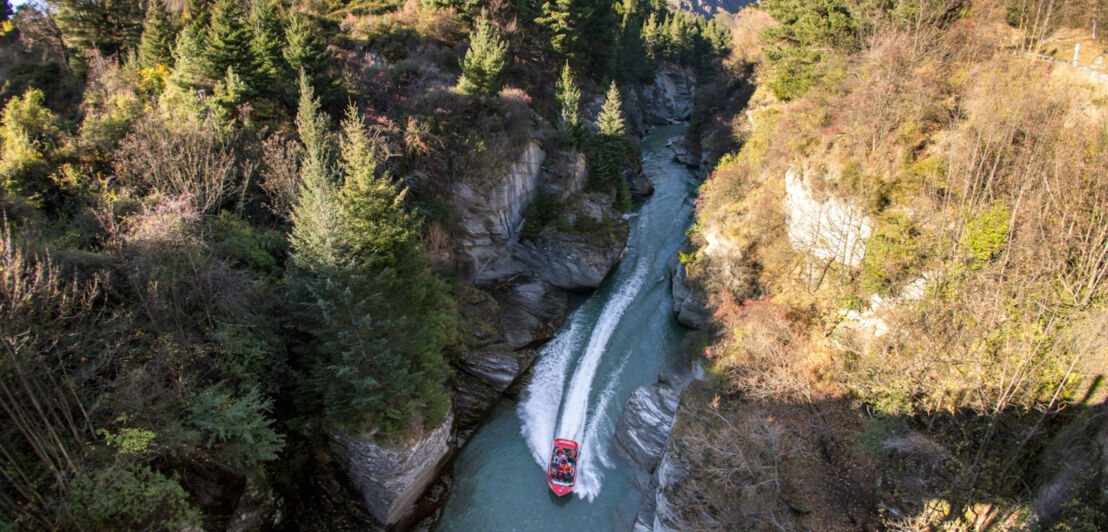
pixel 828 230
pixel 392 478
pixel 492 217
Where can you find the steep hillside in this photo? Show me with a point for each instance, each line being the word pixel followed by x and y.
pixel 906 268
pixel 270 263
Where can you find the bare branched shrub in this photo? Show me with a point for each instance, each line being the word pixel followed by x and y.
pixel 740 460
pixel 280 173
pixel 186 160
pixel 762 353
pixel 171 272
pixel 43 419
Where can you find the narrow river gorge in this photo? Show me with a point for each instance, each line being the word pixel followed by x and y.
pixel 615 340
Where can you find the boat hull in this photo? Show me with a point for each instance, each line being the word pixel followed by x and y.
pixel 560 487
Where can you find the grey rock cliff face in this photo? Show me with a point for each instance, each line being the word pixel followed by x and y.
pixel 669 98
pixel 643 435
pixel 689 307
pixel 391 479
pixel 644 428
pixel 491 215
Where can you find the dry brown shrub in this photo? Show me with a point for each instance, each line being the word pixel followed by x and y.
pixel 280 173
pixel 764 352
pixel 746 35
pixel 189 160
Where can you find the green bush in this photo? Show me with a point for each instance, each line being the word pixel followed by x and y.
pixel 893 254
pixel 239 427
pixel 543 210
pixel 235 240
pixel 134 498
pixel 806 30
pixel 985 234
pixel 29 133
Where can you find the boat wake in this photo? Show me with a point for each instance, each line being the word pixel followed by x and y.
pixel 550 410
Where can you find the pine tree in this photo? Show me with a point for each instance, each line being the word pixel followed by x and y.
pixel 228 95
pixel 402 341
pixel 188 58
pixel 269 43
pixel 228 44
pixel 598 34
pixel 483 62
pixel 610 119
pixel 156 47
pixel 109 26
pixel 564 21
pixel 653 40
pixel 610 147
pixel 306 51
pixel 314 217
pixel 569 98
pixel 362 289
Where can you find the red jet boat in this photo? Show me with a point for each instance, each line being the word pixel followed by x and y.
pixel 561 473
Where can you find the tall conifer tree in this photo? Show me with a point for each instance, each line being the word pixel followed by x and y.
pixel 569 98
pixel 188 58
pixel 564 20
pixel 158 37
pixel 228 44
pixel 306 51
pixel 269 43
pixel 611 147
pixel 483 62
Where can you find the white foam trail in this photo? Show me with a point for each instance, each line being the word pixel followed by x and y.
pixel 592 446
pixel 546 394
pixel 576 401
pixel 538 409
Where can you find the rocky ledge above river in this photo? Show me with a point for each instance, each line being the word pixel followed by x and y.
pixel 393 478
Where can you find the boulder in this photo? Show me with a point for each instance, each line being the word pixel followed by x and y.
pixel 259 508
pixel 530 311
pixel 643 429
pixel 682 153
pixel 690 309
pixel 577 262
pixel 640 185
pixel 392 479
pixel 498 366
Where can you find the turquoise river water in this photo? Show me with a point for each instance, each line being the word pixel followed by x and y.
pixel 615 340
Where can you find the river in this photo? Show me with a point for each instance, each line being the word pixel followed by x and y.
pixel 615 340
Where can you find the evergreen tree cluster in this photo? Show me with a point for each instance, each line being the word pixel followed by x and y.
pixel 362 288
pixel 807 31
pixel 584 32
pixel 627 39
pixel 681 38
pixel 238 52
